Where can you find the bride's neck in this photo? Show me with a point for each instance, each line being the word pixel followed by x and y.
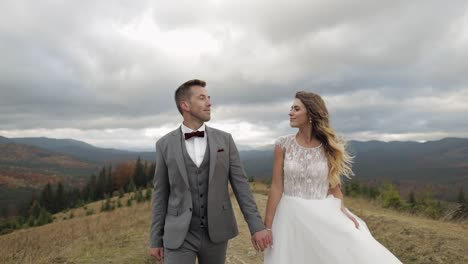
pixel 305 134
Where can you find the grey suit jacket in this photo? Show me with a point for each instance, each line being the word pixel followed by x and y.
pixel 172 200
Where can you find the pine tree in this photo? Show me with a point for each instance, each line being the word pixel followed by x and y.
pixel 90 191
pixel 131 186
pixel 391 197
pixel 106 205
pixel 373 192
pixel 347 189
pixel 4 213
pixel 73 197
pixel 139 174
pixel 35 209
pixel 461 197
pixel 412 199
pixel 44 218
pixel 150 174
pixel 109 181
pixel 60 200
pixel 355 188
pixel 145 174
pixel 139 196
pixel 47 198
pixel 101 184
pixel 365 191
pixel 148 194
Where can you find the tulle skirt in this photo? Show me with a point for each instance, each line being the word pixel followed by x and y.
pixel 317 231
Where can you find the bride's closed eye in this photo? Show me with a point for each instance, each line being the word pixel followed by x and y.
pixel 295 108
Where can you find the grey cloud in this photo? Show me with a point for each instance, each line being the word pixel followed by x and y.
pixel 74 65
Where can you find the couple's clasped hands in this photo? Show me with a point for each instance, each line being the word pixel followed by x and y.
pixel 262 240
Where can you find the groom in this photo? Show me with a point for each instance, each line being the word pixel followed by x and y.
pixel 192 211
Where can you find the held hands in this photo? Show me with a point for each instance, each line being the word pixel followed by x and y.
pixel 262 239
pixel 350 216
pixel 157 253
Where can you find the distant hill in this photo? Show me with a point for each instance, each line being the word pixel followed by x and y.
pixel 4 140
pixel 27 164
pixel 33 163
pixel 258 163
pixel 25 169
pixel 81 150
pixel 440 166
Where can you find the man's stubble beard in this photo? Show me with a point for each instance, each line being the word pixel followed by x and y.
pixel 201 118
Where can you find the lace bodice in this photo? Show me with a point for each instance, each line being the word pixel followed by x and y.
pixel 305 169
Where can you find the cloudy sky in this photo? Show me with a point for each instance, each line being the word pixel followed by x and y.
pixel 105 71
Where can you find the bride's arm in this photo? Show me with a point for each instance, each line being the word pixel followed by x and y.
pixel 276 190
pixel 336 191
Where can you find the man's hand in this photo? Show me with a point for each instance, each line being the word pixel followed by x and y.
pixel 157 253
pixel 262 239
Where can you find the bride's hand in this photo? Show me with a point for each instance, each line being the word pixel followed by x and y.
pixel 350 216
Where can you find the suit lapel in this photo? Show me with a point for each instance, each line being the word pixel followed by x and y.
pixel 213 143
pixel 177 142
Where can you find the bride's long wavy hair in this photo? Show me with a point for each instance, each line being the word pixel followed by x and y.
pixel 339 160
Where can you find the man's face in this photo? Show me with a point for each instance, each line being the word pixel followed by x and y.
pixel 199 105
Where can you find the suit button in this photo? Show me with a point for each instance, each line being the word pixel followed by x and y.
pixel 202 206
pixel 190 209
pixel 201 195
pixel 203 217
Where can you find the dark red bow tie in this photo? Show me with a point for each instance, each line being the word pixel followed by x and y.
pixel 194 134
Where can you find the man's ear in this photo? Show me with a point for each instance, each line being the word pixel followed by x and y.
pixel 184 105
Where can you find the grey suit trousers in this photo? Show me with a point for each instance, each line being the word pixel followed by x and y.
pixel 197 244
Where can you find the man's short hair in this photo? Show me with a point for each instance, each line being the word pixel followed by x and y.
pixel 184 93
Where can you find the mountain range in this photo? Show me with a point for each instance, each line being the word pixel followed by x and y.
pixel 441 166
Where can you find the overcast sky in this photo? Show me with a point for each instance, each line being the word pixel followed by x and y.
pixel 105 71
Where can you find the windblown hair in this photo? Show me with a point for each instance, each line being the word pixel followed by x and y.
pixel 339 160
pixel 184 93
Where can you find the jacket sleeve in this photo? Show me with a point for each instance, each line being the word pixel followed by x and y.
pixel 160 198
pixel 241 188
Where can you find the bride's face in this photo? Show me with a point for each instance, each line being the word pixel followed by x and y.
pixel 298 114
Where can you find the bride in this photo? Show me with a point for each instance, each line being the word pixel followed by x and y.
pixel 305 210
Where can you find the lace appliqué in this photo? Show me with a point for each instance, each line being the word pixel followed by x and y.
pixel 305 169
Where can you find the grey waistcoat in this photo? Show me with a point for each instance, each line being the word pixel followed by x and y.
pixel 198 181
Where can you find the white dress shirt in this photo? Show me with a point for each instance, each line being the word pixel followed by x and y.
pixel 196 146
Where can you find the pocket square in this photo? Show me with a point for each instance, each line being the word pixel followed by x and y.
pixel 220 150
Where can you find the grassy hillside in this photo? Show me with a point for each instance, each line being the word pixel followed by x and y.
pixel 121 236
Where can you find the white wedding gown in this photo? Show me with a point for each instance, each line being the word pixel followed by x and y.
pixel 309 226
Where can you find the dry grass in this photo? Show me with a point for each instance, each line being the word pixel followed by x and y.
pixel 121 236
